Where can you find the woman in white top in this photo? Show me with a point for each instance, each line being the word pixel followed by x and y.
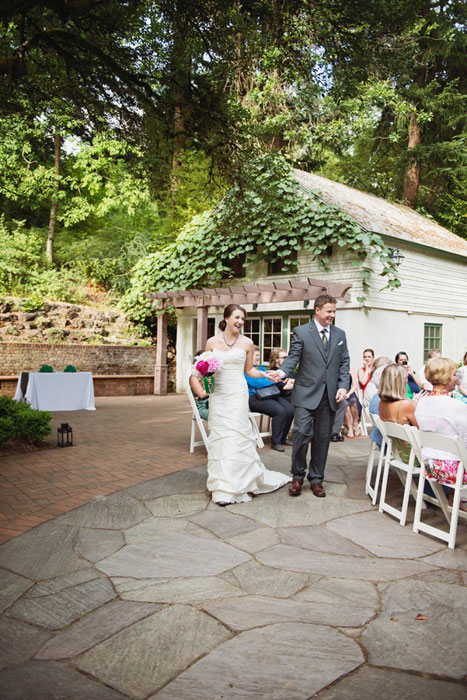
pixel 439 413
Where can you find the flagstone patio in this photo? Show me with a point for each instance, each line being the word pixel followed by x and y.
pixel 155 592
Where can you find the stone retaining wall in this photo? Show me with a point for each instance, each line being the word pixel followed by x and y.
pixel 98 359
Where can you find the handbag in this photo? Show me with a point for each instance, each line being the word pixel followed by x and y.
pixel 267 392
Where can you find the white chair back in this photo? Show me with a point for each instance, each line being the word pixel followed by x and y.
pixel 196 420
pixel 449 445
pixel 366 423
pixel 372 489
pixel 404 469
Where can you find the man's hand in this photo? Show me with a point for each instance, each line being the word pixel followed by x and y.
pixel 273 375
pixel 340 395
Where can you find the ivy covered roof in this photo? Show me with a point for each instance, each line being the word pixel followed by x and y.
pixel 386 218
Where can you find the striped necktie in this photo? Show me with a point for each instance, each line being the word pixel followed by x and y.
pixel 325 338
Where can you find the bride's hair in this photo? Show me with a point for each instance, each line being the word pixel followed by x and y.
pixel 228 311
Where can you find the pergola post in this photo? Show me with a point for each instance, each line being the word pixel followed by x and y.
pixel 202 327
pixel 160 370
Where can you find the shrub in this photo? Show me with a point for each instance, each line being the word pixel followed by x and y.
pixel 7 429
pixel 34 302
pixel 20 421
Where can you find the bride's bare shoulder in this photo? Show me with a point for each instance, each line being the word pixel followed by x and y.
pixel 247 343
pixel 212 342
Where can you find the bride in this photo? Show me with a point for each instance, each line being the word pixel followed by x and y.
pixel 234 467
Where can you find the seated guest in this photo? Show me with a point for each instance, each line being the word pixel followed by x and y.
pixel 394 405
pixel 276 358
pixel 372 388
pixel 354 408
pixel 199 394
pixel 373 407
pixel 413 383
pixel 439 413
pixel 364 372
pixel 280 410
pixel 460 392
pixel 426 385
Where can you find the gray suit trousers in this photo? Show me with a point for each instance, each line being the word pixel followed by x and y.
pixel 315 427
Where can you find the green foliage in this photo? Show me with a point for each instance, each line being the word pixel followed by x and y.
pixel 99 181
pixel 24 271
pixel 34 302
pixel 20 421
pixel 26 174
pixel 264 216
pixel 21 256
pixel 59 284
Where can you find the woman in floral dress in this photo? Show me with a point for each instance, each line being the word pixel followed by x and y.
pixel 439 413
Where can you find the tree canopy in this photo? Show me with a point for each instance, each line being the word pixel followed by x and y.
pixel 121 121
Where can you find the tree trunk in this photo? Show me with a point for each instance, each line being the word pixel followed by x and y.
pixel 53 208
pixel 430 201
pixel 181 76
pixel 412 171
pixel 179 136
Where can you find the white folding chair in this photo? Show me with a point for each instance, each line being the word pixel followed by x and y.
pixel 257 431
pixel 365 423
pixel 196 420
pixel 372 491
pixel 404 470
pixel 259 428
pixel 450 445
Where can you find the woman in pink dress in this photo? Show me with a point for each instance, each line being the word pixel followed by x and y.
pixel 364 372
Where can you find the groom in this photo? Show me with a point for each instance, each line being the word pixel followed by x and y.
pixel 322 381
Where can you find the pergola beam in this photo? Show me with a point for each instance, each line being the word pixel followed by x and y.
pixel 261 293
pixel 202 299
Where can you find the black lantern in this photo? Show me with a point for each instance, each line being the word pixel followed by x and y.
pixel 65 435
pixel 396 256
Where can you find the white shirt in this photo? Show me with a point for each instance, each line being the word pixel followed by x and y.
pixel 425 383
pixel 322 328
pixel 441 414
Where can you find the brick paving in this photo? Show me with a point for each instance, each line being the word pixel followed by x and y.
pixel 126 441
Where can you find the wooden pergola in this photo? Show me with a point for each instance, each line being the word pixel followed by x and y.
pixel 203 299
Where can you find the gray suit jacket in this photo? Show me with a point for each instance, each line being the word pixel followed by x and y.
pixel 319 370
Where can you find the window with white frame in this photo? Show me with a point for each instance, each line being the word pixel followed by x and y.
pixel 295 321
pixel 432 338
pixel 252 330
pixel 272 335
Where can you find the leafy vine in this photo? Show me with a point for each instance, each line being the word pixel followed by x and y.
pixel 266 215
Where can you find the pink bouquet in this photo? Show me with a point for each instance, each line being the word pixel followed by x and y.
pixel 204 367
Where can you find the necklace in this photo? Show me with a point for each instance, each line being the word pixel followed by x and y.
pixel 230 345
pixel 437 392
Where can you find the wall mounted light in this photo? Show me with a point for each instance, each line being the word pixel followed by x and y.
pixel 396 256
pixel 255 306
pixel 306 303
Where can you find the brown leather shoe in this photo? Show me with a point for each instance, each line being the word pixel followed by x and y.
pixel 295 487
pixel 318 490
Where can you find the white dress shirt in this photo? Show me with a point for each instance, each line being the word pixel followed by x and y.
pixel 320 328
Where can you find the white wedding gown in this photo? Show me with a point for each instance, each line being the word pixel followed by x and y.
pixel 234 466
